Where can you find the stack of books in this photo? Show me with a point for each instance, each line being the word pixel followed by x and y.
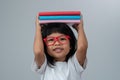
pixel 60 17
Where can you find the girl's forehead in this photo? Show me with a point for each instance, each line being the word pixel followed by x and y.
pixel 55 34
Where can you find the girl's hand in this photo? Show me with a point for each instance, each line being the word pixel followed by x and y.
pixel 37 23
pixel 78 26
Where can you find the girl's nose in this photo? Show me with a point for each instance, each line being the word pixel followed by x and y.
pixel 57 42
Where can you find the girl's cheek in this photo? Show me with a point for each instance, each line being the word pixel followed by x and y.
pixel 49 48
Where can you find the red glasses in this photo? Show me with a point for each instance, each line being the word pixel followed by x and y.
pixel 61 39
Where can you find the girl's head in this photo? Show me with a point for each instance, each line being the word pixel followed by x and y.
pixel 59 42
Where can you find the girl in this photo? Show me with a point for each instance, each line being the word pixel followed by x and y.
pixel 58 55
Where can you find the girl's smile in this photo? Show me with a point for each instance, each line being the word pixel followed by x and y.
pixel 58 49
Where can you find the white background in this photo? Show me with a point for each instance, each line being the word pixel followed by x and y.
pixel 17 29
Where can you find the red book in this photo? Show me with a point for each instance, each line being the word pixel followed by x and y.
pixel 56 13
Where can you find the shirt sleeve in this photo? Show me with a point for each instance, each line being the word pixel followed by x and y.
pixel 77 65
pixel 40 70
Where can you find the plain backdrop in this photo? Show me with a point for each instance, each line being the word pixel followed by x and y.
pixel 17 30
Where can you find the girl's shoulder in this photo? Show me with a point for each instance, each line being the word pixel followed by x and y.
pixel 74 63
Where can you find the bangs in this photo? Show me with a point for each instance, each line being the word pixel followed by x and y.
pixel 55 28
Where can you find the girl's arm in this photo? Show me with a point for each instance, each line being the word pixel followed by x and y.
pixel 38 45
pixel 82 43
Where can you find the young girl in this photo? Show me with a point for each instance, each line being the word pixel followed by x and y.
pixel 58 55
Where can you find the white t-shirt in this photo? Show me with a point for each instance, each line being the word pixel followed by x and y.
pixel 70 70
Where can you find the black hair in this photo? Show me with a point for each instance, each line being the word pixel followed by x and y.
pixel 59 28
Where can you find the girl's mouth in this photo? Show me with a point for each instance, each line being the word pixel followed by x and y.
pixel 58 50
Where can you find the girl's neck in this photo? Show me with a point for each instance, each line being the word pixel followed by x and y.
pixel 59 60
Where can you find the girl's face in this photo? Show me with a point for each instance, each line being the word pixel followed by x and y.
pixel 58 46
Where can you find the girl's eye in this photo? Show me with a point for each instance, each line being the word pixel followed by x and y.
pixel 49 40
pixel 63 39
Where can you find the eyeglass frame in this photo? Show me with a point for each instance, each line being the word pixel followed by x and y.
pixel 56 39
